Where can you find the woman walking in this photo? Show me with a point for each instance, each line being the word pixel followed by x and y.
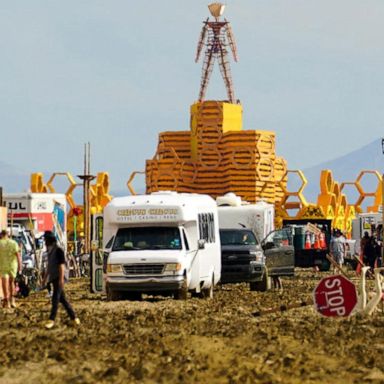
pixel 10 264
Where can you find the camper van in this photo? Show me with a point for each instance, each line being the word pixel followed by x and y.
pixel 163 243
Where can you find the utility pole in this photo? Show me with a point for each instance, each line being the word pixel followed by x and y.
pixel 87 178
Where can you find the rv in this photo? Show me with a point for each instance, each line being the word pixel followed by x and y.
pixel 163 243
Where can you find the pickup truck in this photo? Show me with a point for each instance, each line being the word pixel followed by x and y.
pixel 309 257
pixel 245 259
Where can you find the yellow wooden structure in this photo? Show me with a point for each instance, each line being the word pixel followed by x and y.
pixel 331 202
pixel 217 156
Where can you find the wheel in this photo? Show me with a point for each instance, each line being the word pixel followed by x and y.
pixel 253 286
pixel 112 295
pixel 263 285
pixel 207 293
pixel 325 265
pixel 132 296
pixel 182 293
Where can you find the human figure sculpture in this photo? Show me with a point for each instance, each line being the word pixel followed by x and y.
pixel 216 36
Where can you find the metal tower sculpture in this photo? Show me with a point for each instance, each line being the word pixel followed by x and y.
pixel 216 36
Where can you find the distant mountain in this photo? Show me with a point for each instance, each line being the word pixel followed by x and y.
pixel 346 168
pixel 13 179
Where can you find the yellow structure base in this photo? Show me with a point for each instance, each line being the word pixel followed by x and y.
pixel 216 156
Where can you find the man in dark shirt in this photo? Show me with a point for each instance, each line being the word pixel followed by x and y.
pixel 55 275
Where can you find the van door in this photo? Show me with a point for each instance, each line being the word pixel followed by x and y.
pixel 96 268
pixel 279 253
pixel 207 234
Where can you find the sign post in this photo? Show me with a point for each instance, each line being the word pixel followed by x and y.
pixel 335 296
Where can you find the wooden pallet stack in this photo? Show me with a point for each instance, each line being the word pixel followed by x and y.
pixel 249 158
pixel 216 156
pixel 164 171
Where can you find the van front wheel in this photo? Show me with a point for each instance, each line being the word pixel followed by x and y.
pixel 112 295
pixel 182 293
pixel 263 285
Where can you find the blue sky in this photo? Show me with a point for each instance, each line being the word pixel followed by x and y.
pixel 116 73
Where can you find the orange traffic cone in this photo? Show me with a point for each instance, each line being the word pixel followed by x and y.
pixel 316 244
pixel 308 241
pixel 323 244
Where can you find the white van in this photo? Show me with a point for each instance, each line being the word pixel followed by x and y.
pixel 162 243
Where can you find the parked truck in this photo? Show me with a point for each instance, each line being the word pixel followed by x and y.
pixel 251 250
pixel 311 239
pixel 38 212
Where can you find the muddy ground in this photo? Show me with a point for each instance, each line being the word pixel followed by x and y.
pixel 160 340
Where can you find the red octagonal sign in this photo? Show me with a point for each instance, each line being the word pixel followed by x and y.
pixel 335 296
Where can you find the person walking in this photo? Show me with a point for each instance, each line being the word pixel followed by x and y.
pixel 55 275
pixel 363 242
pixel 277 284
pixel 372 251
pixel 10 264
pixel 337 248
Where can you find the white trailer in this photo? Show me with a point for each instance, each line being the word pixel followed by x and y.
pixel 165 242
pixel 235 213
pixel 39 212
pixel 366 222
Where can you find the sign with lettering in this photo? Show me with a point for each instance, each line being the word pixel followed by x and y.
pixel 313 229
pixel 17 206
pixel 147 214
pixel 335 296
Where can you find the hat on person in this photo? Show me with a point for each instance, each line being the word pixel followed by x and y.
pixel 49 235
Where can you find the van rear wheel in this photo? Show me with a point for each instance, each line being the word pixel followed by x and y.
pixel 207 293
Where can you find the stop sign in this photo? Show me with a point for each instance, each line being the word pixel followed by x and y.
pixel 335 296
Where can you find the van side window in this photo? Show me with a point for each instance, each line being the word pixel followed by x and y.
pixel 207 227
pixel 185 241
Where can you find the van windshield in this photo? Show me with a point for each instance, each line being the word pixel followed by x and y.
pixel 129 239
pixel 237 237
